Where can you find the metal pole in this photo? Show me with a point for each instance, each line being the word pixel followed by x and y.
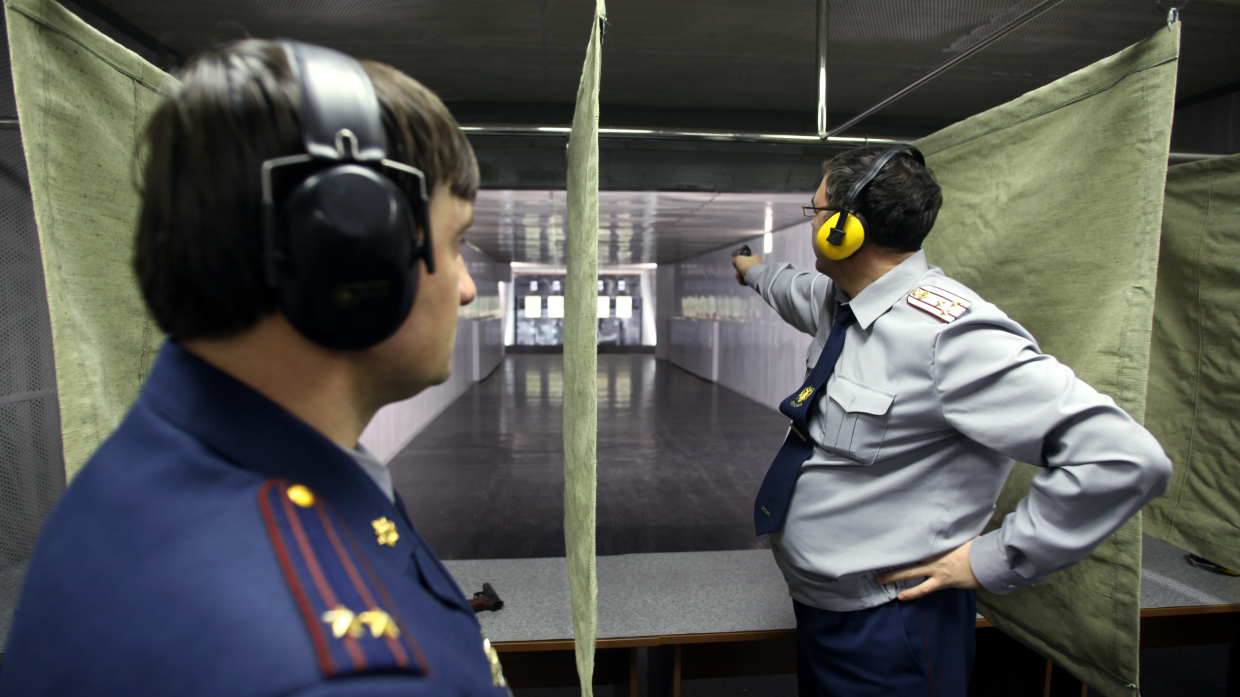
pixel 726 137
pixel 652 133
pixel 823 24
pixel 1003 31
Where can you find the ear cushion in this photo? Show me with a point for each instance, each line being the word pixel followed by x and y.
pixel 349 276
pixel 854 237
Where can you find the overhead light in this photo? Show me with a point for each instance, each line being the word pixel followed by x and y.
pixel 619 268
pixel 768 243
pixel 531 267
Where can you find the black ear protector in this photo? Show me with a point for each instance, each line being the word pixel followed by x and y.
pixel 341 247
pixel 844 233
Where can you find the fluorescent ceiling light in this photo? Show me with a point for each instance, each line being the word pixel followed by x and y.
pixel 526 267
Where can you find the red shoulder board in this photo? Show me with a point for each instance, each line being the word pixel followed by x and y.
pixel 353 623
pixel 939 303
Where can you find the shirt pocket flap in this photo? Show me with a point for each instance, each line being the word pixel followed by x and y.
pixel 854 397
pixel 436 580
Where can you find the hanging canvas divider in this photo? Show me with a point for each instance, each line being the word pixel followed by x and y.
pixel 581 357
pixel 1052 209
pixel 1194 385
pixel 83 101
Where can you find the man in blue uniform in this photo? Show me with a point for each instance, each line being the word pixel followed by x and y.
pixel 919 397
pixel 299 244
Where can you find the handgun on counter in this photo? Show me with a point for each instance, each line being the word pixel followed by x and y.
pixel 488 599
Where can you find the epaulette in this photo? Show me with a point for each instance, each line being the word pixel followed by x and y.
pixel 353 623
pixel 935 301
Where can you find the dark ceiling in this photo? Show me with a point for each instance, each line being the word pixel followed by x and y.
pixel 736 65
pixel 727 64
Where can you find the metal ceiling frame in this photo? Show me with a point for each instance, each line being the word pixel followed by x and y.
pixel 726 136
pixel 825 136
pixel 659 133
pixel 664 133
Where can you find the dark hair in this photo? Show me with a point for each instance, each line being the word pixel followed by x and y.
pixel 899 205
pixel 198 254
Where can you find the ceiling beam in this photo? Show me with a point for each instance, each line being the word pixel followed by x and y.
pixel 516 161
pixel 524 159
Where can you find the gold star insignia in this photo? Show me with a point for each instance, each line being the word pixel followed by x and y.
pixel 385 531
pixel 301 496
pixel 380 623
pixel 343 621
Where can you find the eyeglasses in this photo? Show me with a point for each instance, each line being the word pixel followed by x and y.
pixel 811 211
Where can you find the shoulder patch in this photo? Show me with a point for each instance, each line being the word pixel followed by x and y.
pixel 354 626
pixel 935 301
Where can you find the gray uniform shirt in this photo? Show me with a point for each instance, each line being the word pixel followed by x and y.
pixel 917 430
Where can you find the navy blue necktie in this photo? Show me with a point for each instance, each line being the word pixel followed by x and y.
pixel 771 507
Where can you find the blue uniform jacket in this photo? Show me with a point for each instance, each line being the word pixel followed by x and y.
pixel 217 545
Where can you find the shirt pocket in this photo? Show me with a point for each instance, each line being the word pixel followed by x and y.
pixel 856 420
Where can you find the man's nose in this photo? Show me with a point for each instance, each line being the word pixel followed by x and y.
pixel 469 291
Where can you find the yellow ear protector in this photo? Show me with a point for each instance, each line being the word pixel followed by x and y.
pixel 844 233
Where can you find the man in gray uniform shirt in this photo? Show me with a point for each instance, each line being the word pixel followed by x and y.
pixel 933 396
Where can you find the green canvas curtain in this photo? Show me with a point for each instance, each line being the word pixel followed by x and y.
pixel 82 101
pixel 1052 209
pixel 581 357
pixel 1194 387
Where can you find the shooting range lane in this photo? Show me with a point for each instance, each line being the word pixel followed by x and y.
pixel 679 460
pixel 670 595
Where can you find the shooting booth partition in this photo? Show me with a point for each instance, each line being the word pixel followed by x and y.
pixel 1193 398
pixel 581 358
pixel 1052 206
pixel 83 100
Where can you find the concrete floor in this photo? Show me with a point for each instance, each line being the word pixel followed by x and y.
pixel 679 462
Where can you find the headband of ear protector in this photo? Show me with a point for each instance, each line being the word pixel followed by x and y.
pixel 340 242
pixel 844 233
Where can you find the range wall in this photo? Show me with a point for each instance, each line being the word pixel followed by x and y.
pixel 722 331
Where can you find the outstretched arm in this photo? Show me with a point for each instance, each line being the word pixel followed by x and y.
pixel 798 296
